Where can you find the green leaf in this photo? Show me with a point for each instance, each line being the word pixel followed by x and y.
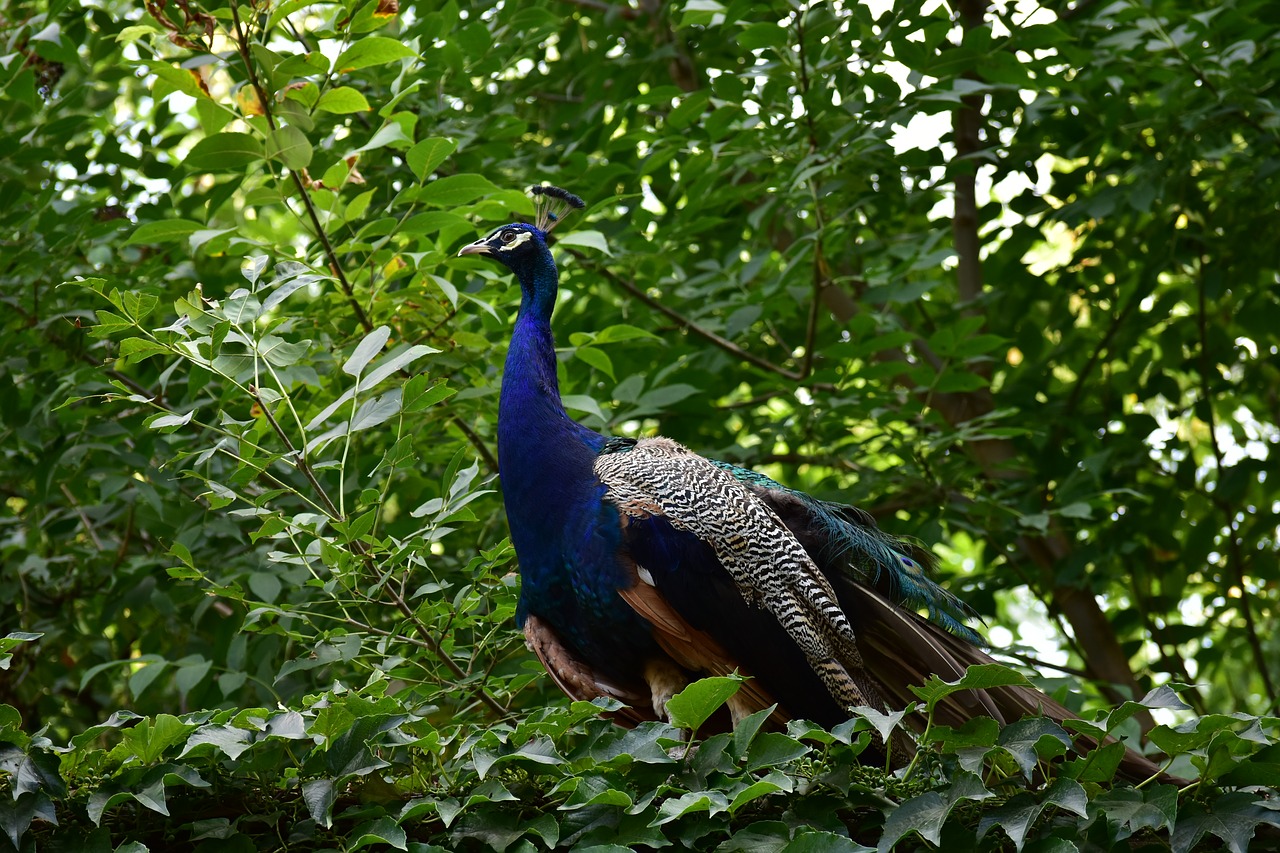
pixel 585 239
pixel 10 642
pixel 1261 768
pixel 884 724
pixel 1128 809
pixel 375 412
pixel 821 841
pixel 384 830
pixel 182 79
pixel 144 677
pixel 169 422
pixel 924 814
pixel 455 190
pixel 1234 818
pixel 1101 763
pixel 1014 817
pixel 224 152
pixel 622 332
pixel 753 792
pixel 397 360
pixel 688 110
pixel 164 231
pixel 342 100
pixel 364 352
pixel 290 146
pixel 229 740
pixel 418 397
pixel 265 585
pixel 424 157
pixel 692 802
pixel 371 50
pixel 748 727
pixel 773 748
pixel 976 677
pixel 390 135
pixel 1032 739
pixel 691 707
pixel 138 349
pixel 319 796
pixel 583 403
pixel 189 675
pixel 764 34
pixel 596 358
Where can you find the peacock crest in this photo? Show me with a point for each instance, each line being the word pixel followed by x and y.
pixel 551 205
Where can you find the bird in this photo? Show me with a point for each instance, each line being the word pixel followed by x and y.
pixel 645 566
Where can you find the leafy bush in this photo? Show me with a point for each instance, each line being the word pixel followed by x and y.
pixel 347 769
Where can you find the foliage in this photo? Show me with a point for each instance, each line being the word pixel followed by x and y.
pixel 360 768
pixel 247 399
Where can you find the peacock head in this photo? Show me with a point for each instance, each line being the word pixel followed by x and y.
pixel 519 245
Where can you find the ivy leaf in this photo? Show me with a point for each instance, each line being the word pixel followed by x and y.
pixel 924 813
pixel 712 802
pixel 384 830
pixel 1014 817
pixel 773 748
pixel 691 707
pixel 744 733
pixel 1129 811
pixel 1234 818
pixel 884 724
pixel 319 796
pixel 821 841
pixel 1034 738
pixel 928 812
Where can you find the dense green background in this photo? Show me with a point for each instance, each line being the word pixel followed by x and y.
pixel 1045 341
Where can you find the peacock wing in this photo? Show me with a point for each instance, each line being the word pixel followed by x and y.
pixel 728 566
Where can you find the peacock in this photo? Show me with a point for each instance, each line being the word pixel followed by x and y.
pixel 645 566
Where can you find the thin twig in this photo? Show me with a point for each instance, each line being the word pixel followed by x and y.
pixel 84 519
pixel 299 460
pixel 358 548
pixel 425 642
pixel 685 323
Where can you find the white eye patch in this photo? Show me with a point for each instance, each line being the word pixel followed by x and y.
pixel 521 238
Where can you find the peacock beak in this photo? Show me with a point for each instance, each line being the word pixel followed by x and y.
pixel 479 247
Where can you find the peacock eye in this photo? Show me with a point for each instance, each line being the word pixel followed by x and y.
pixel 507 236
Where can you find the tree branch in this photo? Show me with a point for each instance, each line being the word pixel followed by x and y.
pixel 1235 557
pixel 242 47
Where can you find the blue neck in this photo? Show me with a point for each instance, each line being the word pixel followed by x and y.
pixel 529 410
pixel 545 458
pixel 566 537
